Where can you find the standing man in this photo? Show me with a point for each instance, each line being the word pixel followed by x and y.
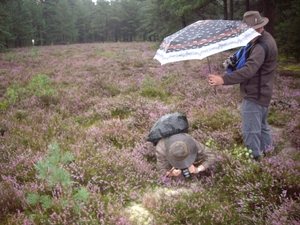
pixel 256 79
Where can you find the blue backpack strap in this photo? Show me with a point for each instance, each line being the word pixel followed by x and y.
pixel 240 57
pixel 266 49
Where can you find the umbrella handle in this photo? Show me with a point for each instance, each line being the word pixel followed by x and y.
pixel 215 89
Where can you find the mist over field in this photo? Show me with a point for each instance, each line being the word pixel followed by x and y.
pixel 73 149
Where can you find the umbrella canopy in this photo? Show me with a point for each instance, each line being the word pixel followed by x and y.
pixel 204 38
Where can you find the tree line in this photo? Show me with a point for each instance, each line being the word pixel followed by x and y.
pixel 50 22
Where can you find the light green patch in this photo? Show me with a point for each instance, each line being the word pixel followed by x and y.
pixel 294 67
pixel 108 54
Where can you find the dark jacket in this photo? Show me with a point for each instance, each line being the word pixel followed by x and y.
pixel 205 157
pixel 252 86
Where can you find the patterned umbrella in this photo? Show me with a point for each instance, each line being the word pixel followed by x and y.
pixel 204 38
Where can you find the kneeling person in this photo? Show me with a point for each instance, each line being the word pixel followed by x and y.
pixel 182 154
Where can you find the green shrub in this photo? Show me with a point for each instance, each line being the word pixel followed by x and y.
pixel 38 86
pixel 50 168
pixel 10 56
pixel 240 153
pixel 150 89
pixel 108 54
pixel 277 117
pixel 219 119
pixel 34 52
pixel 3 105
pixel 52 173
pixel 14 92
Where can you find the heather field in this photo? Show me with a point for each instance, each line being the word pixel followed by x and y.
pixel 73 150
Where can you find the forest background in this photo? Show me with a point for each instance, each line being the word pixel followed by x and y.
pixel 83 21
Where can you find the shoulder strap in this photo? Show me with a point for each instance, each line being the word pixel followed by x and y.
pixel 266 49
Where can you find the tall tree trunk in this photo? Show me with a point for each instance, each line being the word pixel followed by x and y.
pixel 183 21
pixel 225 11
pixel 269 12
pixel 247 5
pixel 231 9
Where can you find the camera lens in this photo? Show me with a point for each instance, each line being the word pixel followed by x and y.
pixel 186 172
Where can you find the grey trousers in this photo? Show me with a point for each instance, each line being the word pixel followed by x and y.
pixel 256 133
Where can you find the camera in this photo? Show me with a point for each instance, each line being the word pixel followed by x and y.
pixel 186 172
pixel 230 62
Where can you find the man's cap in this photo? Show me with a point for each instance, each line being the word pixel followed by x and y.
pixel 181 150
pixel 254 19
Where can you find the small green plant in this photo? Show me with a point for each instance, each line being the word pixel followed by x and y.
pixel 50 168
pixel 209 142
pixel 108 54
pixel 34 52
pixel 3 105
pixel 99 50
pixel 150 90
pixel 240 153
pixel 120 112
pixel 43 200
pixel 10 56
pixel 148 82
pixel 13 56
pixel 278 118
pixel 52 173
pixel 38 86
pixel 14 92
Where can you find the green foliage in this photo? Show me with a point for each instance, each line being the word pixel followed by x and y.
pixel 288 16
pixel 34 52
pixel 218 119
pixel 81 195
pixel 50 168
pixel 240 153
pixel 152 92
pixel 148 82
pixel 38 86
pixel 108 54
pixel 111 90
pixel 277 118
pixel 120 112
pixel 150 89
pixel 99 50
pixel 3 105
pixel 10 56
pixel 14 92
pixel 209 143
pixel 43 200
pixel 33 198
pixel 52 172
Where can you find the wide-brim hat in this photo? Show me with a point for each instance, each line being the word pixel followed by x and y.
pixel 254 19
pixel 181 150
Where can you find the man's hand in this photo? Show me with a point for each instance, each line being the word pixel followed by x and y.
pixel 194 169
pixel 173 173
pixel 215 80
